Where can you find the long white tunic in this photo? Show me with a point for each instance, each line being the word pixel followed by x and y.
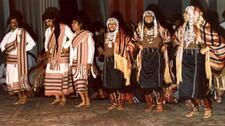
pixel 12 69
pixel 63 67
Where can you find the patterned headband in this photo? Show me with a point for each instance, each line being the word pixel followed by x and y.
pixel 112 20
pixel 190 11
pixel 189 35
pixel 148 13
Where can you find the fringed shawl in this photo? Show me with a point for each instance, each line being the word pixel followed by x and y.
pixel 214 41
pixel 80 42
pixel 179 40
pixel 22 59
pixel 56 52
pixel 123 55
pixel 214 49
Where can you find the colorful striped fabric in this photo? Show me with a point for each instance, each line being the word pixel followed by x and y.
pixel 214 41
pixel 58 84
pixel 22 60
pixel 14 88
pixel 79 67
pixel 11 59
pixel 9 47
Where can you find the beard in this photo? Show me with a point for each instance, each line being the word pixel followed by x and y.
pixel 148 25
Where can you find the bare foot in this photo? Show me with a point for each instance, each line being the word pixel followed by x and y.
pixel 88 103
pixel 62 103
pixel 113 106
pixel 55 102
pixel 148 109
pixel 191 114
pixel 82 104
pixel 120 107
pixel 18 102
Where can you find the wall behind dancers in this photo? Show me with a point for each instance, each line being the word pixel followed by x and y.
pixel 32 11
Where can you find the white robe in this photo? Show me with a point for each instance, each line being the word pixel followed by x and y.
pixel 12 69
pixel 78 74
pixel 64 87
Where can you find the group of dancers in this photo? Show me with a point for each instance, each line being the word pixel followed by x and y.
pixel 199 57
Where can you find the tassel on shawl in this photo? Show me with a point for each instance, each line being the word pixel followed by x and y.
pixel 122 64
pixel 167 77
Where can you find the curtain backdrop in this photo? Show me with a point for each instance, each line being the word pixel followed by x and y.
pixel 32 11
pixel 171 7
pixel 213 5
pixel 4 14
pixel 96 9
pixel 4 7
pixel 100 10
pixel 130 9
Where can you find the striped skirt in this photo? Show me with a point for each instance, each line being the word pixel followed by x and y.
pixel 80 85
pixel 58 82
pixel 80 81
pixel 12 75
pixel 15 87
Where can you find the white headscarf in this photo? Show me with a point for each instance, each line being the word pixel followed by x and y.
pixel 149 13
pixel 189 35
pixel 111 36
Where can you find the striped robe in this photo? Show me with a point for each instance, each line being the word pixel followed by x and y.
pixel 214 41
pixel 212 47
pixel 10 46
pixel 58 79
pixel 117 67
pixel 81 54
pixel 216 54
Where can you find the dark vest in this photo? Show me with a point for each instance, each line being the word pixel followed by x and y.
pixel 149 41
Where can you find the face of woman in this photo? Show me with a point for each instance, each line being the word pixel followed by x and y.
pixel 148 19
pixel 112 26
pixel 49 23
pixel 76 26
pixel 186 17
pixel 14 24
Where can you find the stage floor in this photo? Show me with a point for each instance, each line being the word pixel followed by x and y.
pixel 38 112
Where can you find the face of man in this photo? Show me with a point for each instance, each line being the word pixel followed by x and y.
pixel 49 23
pixel 76 26
pixel 148 19
pixel 112 27
pixel 14 24
pixel 186 17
